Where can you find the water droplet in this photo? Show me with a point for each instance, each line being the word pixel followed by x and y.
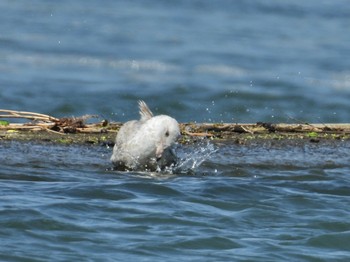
pixel 196 156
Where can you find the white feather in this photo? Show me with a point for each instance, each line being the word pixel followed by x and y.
pixel 145 144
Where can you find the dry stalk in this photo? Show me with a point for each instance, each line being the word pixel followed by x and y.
pixel 26 115
pixel 198 134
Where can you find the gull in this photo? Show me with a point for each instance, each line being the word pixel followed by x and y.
pixel 146 144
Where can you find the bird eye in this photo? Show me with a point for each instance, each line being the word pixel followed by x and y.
pixel 167 133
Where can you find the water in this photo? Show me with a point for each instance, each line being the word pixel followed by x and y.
pixel 245 61
pixel 200 61
pixel 265 202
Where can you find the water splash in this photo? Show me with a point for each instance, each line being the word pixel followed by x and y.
pixel 190 158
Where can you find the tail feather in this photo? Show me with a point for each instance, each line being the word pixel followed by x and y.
pixel 145 112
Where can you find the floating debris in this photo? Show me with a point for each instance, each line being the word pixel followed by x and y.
pixel 43 127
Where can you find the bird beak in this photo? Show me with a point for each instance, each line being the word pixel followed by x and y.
pixel 159 150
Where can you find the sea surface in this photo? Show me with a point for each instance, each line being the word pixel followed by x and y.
pixel 198 61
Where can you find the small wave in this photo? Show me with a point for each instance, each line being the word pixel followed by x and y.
pixel 341 81
pixel 220 70
pixel 90 61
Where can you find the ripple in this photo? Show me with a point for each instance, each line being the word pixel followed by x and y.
pixel 209 243
pixel 152 189
pixel 331 241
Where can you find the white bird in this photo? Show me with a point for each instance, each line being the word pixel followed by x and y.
pixel 145 144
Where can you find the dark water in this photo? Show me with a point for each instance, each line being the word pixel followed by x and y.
pixel 204 61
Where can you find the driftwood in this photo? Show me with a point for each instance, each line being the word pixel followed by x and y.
pixel 43 122
pixel 107 130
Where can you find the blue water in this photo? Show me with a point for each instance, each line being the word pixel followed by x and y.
pixel 245 203
pixel 241 61
pixel 198 61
